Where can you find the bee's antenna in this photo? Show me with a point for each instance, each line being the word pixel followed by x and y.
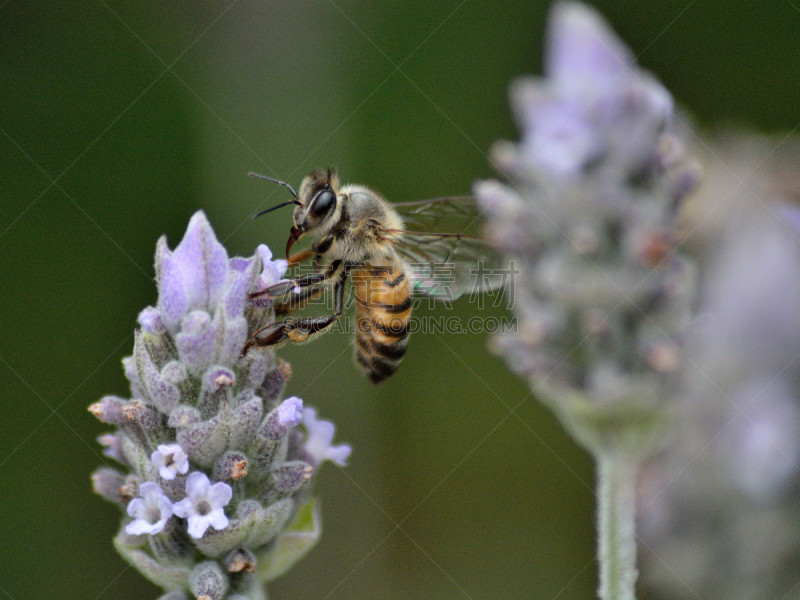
pixel 281 205
pixel 278 181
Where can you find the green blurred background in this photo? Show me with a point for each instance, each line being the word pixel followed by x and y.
pixel 119 119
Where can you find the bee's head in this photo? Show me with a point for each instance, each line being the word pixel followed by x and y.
pixel 317 202
pixel 317 198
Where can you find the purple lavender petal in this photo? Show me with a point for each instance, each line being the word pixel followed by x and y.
pixel 196 341
pixel 239 264
pixel 273 270
pixel 240 279
pixel 235 336
pixel 559 138
pixel 172 300
pixel 581 46
pixel 203 263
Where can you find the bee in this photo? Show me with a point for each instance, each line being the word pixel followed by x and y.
pixel 359 235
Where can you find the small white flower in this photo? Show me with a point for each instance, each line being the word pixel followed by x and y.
pixel 203 505
pixel 318 442
pixel 170 459
pixel 150 512
pixel 290 412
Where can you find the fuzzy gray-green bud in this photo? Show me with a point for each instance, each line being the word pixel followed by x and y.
pixel 230 467
pixel 175 596
pixel 208 582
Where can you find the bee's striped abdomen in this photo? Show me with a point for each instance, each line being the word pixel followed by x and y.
pixel 383 312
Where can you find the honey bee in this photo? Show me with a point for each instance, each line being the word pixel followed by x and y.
pixel 358 234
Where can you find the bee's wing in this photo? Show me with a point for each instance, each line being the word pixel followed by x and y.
pixel 445 266
pixel 455 214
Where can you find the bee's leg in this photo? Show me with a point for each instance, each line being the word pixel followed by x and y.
pixel 299 330
pixel 285 287
pixel 316 250
pixel 298 301
pixel 296 259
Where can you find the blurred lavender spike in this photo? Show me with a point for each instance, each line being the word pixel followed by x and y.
pixel 604 293
pixel 727 490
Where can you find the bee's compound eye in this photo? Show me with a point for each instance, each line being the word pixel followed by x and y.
pixel 323 202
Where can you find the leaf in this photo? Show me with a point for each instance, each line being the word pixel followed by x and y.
pixel 292 545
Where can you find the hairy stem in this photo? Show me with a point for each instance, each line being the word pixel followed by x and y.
pixel 616 477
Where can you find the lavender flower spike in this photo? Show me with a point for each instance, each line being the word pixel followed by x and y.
pixel 603 294
pixel 198 406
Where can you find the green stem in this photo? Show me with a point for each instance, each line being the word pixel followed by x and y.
pixel 616 478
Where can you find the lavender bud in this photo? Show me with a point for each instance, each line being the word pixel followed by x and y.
pixel 292 476
pixel 240 560
pixel 129 489
pixel 143 417
pixel 131 372
pixel 277 423
pixel 268 445
pixel 234 336
pixel 204 441
pixel 243 422
pixel 159 392
pixel 208 582
pixel 175 596
pixel 159 347
pixel 174 373
pixel 172 300
pixel 107 482
pixel 109 410
pixel 261 369
pixel 150 320
pixel 112 443
pixel 230 467
pixel 169 546
pixel 136 454
pixel 184 416
pixel 275 381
